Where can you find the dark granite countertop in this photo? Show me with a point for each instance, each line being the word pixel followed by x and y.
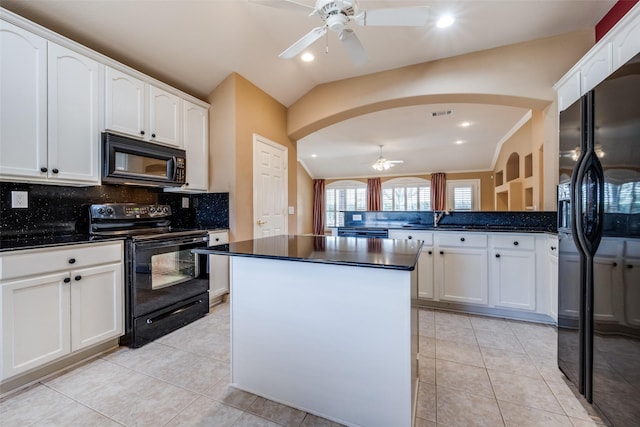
pixel 42 241
pixel 353 251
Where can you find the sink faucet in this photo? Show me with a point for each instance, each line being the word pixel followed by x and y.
pixel 438 216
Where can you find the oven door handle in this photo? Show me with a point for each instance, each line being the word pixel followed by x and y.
pixel 174 312
pixel 172 242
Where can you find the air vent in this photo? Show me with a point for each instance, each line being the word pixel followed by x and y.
pixel 441 113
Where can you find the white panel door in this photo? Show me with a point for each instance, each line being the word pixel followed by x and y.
pixel 269 188
pixel 96 305
pixel 23 102
pixel 124 103
pixel 35 322
pixel 74 133
pixel 196 143
pixel 164 117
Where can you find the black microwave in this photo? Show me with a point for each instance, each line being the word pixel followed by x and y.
pixel 132 161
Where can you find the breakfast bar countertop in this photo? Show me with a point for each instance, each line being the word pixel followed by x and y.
pixel 353 251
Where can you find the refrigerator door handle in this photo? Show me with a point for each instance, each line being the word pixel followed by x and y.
pixel 589 207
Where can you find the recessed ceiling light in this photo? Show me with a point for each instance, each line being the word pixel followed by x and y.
pixel 465 124
pixel 314 155
pixel 459 142
pixel 445 21
pixel 307 57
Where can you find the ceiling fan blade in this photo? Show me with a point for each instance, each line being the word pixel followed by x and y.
pixel 353 46
pixel 285 4
pixel 401 17
pixel 395 161
pixel 304 42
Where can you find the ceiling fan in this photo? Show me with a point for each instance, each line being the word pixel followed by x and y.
pixel 337 14
pixel 383 164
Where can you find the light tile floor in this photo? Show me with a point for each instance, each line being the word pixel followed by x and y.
pixel 474 371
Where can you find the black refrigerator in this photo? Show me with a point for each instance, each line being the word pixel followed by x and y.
pixel 599 246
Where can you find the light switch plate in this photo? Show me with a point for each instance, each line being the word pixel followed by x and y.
pixel 291 210
pixel 20 199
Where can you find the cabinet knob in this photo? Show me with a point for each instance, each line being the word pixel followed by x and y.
pixel 430 252
pixel 43 169
pixel 615 264
pixel 67 279
pixel 217 239
pixel 72 260
pixel 462 239
pixel 186 184
pixel 78 277
pixel 497 255
pixel 410 237
pixel 441 252
pixel 55 170
pixel 515 243
pixel 153 135
pixel 629 266
pixel 553 248
pixel 141 132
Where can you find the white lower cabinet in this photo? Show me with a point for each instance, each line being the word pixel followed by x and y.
pixel 425 262
pixel 218 266
pixel 513 271
pixel 552 276
pixel 57 309
pixel 460 267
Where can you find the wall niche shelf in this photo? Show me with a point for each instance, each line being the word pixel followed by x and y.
pixel 499 179
pixel 528 165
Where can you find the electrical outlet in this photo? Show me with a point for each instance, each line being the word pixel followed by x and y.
pixel 185 202
pixel 291 210
pixel 356 217
pixel 20 199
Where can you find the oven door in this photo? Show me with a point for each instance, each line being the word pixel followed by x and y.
pixel 166 272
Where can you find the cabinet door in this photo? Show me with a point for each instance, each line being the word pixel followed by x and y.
pixel 96 305
pixel 23 103
pixel 462 275
pixel 632 292
pixel 74 134
pixel 218 266
pixel 196 143
pixel 553 281
pixel 425 273
pixel 164 117
pixel 35 322
pixel 513 279
pixel 124 103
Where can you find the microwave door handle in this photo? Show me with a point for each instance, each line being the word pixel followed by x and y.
pixel 174 161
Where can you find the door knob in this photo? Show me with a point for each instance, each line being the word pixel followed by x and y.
pixel 261 222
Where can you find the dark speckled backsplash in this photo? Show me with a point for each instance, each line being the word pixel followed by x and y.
pixel 60 210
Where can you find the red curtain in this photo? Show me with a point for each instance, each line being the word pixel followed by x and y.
pixel 438 191
pixel 374 194
pixel 318 207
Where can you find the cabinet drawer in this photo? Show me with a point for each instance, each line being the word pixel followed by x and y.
pixel 513 241
pixel 218 238
pixel 425 236
pixel 462 240
pixel 34 262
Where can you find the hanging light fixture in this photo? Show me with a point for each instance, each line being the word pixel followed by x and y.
pixel 382 164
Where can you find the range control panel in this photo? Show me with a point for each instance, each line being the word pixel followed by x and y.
pixel 129 210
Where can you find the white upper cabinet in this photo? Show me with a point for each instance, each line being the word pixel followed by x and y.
pixel 141 110
pixel 124 103
pixel 164 117
pixel 610 53
pixel 23 104
pixel 49 116
pixel 195 137
pixel 73 120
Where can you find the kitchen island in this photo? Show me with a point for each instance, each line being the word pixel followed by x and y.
pixel 327 325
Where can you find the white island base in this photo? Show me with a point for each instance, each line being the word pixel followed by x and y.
pixel 336 341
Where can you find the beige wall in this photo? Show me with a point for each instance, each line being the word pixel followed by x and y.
pixel 304 202
pixel 239 109
pixel 519 75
